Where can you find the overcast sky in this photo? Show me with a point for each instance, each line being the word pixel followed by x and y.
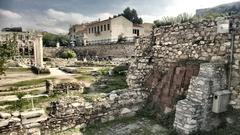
pixel 57 15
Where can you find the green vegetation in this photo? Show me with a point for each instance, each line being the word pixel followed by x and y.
pixel 145 128
pixel 67 54
pixel 7 51
pixel 104 71
pixel 94 64
pixel 131 14
pixel 29 82
pixel 86 77
pixel 185 17
pixel 121 39
pixel 112 83
pixel 24 104
pixel 181 18
pixel 50 40
pixel 69 132
pixel 212 15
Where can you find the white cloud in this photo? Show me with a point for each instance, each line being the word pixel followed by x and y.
pixel 51 20
pixel 175 7
pixel 68 17
pixel 9 14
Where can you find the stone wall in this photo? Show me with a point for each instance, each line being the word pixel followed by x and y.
pixel 192 41
pixel 102 51
pixel 73 111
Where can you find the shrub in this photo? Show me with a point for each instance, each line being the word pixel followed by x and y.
pixel 121 69
pixel 121 39
pixel 181 18
pixel 46 59
pixel 68 54
pixel 104 71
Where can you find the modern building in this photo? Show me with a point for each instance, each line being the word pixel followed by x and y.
pixel 29 46
pixel 106 31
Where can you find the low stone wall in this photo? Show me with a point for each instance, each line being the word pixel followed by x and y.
pixel 75 111
pixel 101 51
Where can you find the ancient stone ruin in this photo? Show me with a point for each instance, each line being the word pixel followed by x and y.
pixel 189 60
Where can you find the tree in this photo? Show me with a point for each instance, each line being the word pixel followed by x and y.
pixel 50 40
pixel 7 51
pixel 131 14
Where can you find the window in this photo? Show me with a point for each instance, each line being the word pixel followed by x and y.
pixel 89 30
pixel 97 28
pixel 105 28
pixel 108 26
pixel 92 29
pixel 101 28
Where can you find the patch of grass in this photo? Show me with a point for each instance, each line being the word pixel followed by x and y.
pixel 144 127
pixel 166 120
pixel 18 69
pixel 24 104
pixel 84 77
pixel 113 83
pixel 69 132
pixel 92 97
pixel 29 82
pixel 94 128
pixel 104 71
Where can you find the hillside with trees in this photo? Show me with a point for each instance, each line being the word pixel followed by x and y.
pixel 233 8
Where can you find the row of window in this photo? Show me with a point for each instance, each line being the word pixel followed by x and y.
pixel 98 29
pixel 136 31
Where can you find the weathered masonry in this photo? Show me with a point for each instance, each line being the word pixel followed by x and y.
pixel 188 60
pixel 101 51
pixel 29 47
pixel 168 61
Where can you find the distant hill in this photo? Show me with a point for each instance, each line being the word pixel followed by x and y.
pixel 221 9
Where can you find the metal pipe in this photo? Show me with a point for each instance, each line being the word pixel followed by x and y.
pixel 231 55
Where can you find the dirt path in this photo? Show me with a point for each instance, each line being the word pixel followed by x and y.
pixel 15 77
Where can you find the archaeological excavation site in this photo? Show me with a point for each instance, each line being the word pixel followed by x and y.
pixel 167 79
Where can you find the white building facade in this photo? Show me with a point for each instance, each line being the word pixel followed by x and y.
pixel 111 30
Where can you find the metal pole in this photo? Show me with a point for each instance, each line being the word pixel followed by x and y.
pixel 231 55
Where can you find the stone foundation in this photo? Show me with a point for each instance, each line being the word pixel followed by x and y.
pixel 75 111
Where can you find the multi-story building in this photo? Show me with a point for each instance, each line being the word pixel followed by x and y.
pixel 106 31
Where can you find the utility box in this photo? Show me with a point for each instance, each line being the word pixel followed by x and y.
pixel 220 101
pixel 222 25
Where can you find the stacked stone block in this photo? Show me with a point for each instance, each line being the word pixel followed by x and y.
pixel 194 112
